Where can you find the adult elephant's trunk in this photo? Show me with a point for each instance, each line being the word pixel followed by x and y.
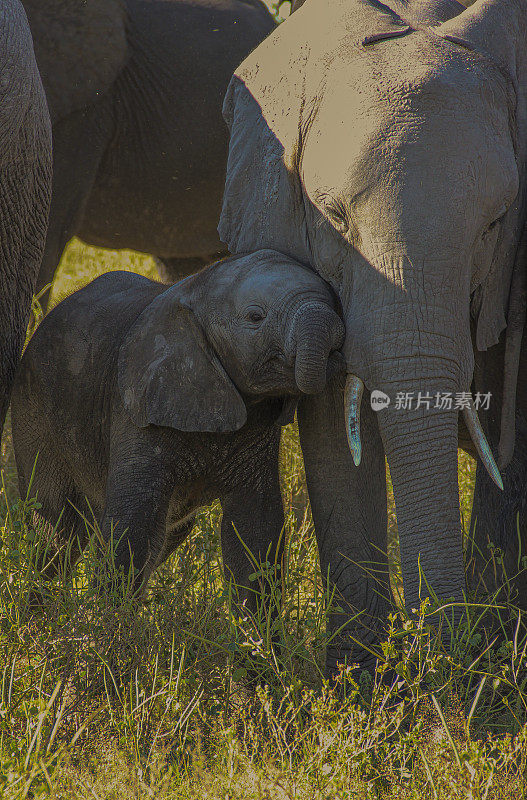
pixel 419 429
pixel 316 331
pixel 421 447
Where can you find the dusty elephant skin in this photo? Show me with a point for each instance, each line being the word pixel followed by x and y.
pixel 25 186
pixel 390 156
pixel 148 402
pixel 498 542
pixel 135 89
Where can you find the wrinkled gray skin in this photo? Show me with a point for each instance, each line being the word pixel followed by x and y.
pixel 151 402
pixel 397 171
pixel 499 519
pixel 135 89
pixel 25 186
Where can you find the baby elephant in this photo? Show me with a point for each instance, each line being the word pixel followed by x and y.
pixel 144 403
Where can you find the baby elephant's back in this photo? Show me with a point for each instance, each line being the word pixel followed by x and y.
pixel 66 381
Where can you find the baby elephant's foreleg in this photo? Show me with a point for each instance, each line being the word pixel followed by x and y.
pixel 134 521
pixel 252 541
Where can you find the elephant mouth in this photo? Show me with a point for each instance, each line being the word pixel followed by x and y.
pixel 272 378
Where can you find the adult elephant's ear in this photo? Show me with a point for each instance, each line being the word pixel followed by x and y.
pixel 263 201
pixel 491 30
pixel 168 374
pixel 80 47
pixel 496 30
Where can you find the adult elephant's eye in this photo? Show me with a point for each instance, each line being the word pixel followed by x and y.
pixel 337 214
pixel 254 315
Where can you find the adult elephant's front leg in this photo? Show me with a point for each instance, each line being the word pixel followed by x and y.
pixel 349 512
pixel 498 525
pixel 498 529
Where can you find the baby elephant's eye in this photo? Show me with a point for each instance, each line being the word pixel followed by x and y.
pixel 254 315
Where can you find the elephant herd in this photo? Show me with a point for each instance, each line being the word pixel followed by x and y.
pixel 380 145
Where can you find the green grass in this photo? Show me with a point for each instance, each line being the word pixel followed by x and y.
pixel 159 703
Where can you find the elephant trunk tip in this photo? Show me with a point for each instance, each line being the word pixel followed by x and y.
pixel 317 331
pixel 311 385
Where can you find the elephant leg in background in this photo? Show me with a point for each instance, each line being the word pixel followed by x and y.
pixel 79 142
pixel 349 512
pixel 172 270
pixel 252 532
pixel 499 521
pixel 499 518
pixel 24 203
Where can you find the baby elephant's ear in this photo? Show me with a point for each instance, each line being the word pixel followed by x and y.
pixel 168 374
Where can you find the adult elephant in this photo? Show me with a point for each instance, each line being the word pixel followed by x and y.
pixel 390 156
pixel 25 186
pixel 135 89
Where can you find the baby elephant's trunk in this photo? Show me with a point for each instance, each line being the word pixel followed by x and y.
pixel 317 331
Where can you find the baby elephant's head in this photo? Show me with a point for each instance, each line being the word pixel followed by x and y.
pixel 258 324
pixel 272 322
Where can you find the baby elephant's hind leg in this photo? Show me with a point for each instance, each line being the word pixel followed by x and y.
pixel 173 539
pixel 61 535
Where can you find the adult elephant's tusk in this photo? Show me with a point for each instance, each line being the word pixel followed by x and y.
pixel 482 446
pixel 352 400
